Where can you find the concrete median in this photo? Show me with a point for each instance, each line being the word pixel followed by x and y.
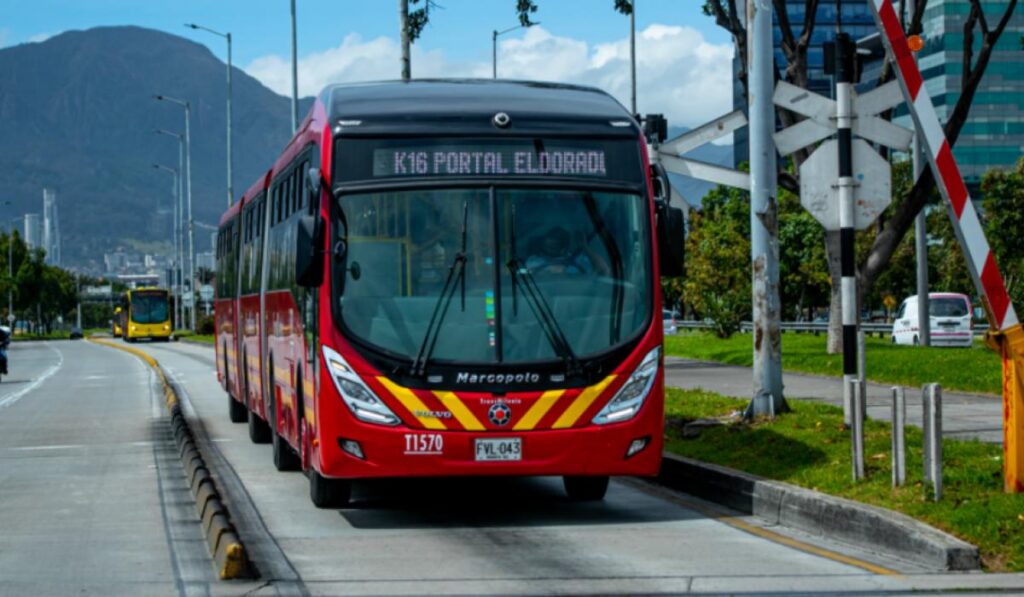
pixel 834 518
pixel 229 555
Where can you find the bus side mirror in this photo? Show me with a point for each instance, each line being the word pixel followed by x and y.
pixel 309 269
pixel 313 182
pixel 671 224
pixel 671 241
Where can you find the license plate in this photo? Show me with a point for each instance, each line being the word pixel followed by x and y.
pixel 506 448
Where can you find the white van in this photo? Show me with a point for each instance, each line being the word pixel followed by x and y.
pixel 951 323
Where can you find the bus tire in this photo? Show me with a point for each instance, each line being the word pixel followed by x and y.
pixel 259 431
pixel 328 493
pixel 285 459
pixel 236 410
pixel 585 489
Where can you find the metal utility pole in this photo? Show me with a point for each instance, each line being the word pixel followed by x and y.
pixel 764 244
pixel 226 36
pixel 295 74
pixel 188 192
pixel 179 244
pixel 924 334
pixel 845 54
pixel 632 55
pixel 403 23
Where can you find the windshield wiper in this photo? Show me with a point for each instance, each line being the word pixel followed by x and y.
pixel 615 257
pixel 540 307
pixel 457 270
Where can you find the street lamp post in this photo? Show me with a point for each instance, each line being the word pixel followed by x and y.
pixel 188 191
pixel 226 36
pixel 494 45
pixel 179 244
pixel 177 186
pixel 295 73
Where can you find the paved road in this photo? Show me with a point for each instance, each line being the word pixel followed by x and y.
pixel 92 496
pixel 963 415
pixel 92 502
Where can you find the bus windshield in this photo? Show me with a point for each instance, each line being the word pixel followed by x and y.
pixel 149 307
pixel 508 275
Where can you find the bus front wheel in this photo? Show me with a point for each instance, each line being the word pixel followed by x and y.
pixel 328 493
pixel 585 489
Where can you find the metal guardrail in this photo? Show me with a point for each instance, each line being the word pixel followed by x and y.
pixel 812 327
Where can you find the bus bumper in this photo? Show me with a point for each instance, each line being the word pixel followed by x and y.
pixel 405 452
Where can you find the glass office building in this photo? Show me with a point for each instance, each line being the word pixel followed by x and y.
pixel 993 136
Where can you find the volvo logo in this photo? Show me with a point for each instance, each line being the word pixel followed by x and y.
pixel 499 414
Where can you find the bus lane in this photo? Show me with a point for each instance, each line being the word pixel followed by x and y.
pixel 481 535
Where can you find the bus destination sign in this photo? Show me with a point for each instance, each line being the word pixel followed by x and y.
pixel 596 160
pixel 484 161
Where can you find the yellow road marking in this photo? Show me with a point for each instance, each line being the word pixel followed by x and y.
pixel 538 410
pixel 461 412
pixel 411 403
pixel 581 404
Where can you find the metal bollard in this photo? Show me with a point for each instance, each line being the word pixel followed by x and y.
pixel 899 449
pixel 857 428
pixel 931 398
pixel 861 356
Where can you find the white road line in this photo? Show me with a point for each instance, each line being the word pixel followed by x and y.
pixel 9 400
pixel 33 448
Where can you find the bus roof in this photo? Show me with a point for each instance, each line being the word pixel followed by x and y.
pixel 470 104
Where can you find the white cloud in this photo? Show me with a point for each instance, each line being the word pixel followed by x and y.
pixel 679 73
pixel 5 37
pixel 38 37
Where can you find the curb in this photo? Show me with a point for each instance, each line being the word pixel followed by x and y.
pixel 229 555
pixel 868 527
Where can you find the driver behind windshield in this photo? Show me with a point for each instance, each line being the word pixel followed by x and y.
pixel 561 253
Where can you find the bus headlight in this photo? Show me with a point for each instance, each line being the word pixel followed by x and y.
pixel 363 403
pixel 630 397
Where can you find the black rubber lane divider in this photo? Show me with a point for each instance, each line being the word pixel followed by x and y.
pixel 229 555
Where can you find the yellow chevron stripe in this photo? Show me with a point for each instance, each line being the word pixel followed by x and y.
pixel 411 403
pixel 310 416
pixel 538 410
pixel 581 404
pixel 457 408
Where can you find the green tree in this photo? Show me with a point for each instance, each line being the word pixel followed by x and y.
pixel 1003 206
pixel 717 284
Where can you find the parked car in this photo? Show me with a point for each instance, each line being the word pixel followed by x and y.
pixel 950 320
pixel 670 317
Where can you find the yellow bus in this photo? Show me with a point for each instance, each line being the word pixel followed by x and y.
pixel 149 314
pixel 117 329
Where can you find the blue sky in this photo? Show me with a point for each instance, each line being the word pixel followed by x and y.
pixel 261 27
pixel 683 58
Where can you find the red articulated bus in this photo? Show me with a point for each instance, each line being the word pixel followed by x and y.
pixel 451 278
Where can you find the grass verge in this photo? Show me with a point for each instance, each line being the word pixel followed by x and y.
pixel 809 447
pixel 203 338
pixel 975 369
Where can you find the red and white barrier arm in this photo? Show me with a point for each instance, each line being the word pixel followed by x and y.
pixel 969 232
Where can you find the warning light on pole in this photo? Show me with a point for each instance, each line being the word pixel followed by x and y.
pixel 915 42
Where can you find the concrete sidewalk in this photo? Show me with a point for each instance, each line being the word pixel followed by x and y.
pixel 963 415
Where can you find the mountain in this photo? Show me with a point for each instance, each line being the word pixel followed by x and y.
pixel 77 115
